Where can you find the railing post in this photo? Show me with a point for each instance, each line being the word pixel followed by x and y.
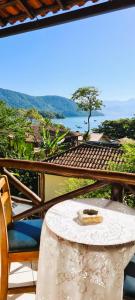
pixel 117 193
pixel 41 185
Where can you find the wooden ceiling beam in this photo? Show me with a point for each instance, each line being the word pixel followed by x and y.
pixel 61 5
pixel 6 4
pixel 24 6
pixel 2 20
pixel 86 12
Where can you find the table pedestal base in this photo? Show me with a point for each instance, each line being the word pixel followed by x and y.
pixel 71 271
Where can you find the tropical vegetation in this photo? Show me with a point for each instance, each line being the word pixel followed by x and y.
pixel 51 145
pixel 117 129
pixel 15 129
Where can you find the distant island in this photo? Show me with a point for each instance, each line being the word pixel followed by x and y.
pixel 58 106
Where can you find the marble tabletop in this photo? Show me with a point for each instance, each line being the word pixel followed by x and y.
pixel 118 226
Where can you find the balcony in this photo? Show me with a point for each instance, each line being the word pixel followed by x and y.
pixel 25 273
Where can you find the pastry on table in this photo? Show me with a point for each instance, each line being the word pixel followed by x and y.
pixel 89 216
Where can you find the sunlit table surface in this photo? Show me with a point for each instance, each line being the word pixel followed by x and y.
pixel 79 262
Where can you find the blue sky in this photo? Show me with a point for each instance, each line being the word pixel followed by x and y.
pixel 98 51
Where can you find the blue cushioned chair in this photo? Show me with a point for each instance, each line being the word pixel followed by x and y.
pixel 129 281
pixel 19 241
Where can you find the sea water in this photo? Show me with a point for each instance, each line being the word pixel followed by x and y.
pixel 80 123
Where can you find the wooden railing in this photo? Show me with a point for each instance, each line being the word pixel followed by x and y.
pixel 101 178
pixel 49 168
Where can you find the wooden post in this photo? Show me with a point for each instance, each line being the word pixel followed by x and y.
pixel 42 186
pixel 117 193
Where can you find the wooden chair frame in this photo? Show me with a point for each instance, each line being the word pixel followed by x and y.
pixel 6 257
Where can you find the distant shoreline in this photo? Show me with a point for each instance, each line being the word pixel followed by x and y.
pixel 80 123
pixel 79 116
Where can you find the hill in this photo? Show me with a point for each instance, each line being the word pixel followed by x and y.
pixel 119 109
pixel 55 104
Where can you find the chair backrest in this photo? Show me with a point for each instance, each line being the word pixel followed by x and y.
pixel 5 219
pixel 5 214
pixel 5 199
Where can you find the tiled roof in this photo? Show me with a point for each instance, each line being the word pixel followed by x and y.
pixel 12 11
pixel 89 156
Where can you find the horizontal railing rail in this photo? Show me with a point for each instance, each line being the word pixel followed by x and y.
pixel 53 169
pixel 101 178
pixel 21 200
pixel 45 206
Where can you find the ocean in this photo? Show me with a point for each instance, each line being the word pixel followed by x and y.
pixel 80 123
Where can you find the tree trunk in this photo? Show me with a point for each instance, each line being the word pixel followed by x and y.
pixel 89 116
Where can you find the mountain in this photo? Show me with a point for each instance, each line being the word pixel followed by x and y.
pixel 119 109
pixel 61 105
pixel 64 106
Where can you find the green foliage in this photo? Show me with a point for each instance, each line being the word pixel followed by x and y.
pixel 118 129
pixel 87 100
pixel 20 149
pixel 129 157
pixel 29 178
pixel 51 115
pixel 42 118
pixel 128 165
pixel 13 127
pixel 33 115
pixel 75 183
pixel 51 145
pixel 129 199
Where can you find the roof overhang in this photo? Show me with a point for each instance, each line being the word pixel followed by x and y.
pixel 10 15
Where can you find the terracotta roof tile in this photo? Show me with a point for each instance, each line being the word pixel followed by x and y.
pixel 12 11
pixel 89 156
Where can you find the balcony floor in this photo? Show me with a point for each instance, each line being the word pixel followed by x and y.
pixel 22 274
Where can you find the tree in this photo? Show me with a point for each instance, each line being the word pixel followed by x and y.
pixel 13 127
pixel 87 100
pixel 128 159
pixel 127 165
pixel 117 129
pixel 34 115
